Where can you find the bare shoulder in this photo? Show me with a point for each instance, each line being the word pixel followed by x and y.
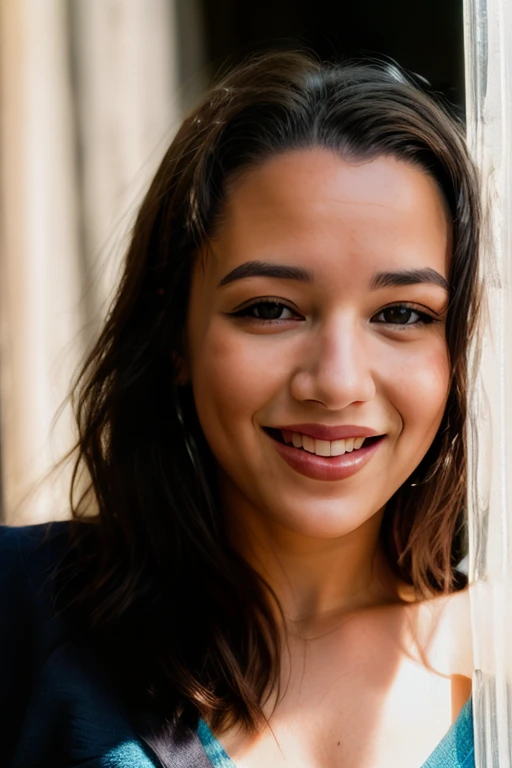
pixel 443 631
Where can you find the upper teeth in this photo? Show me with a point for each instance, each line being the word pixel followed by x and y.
pixel 323 447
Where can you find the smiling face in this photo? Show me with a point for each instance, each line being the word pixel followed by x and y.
pixel 347 340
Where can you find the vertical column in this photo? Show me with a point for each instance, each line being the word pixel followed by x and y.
pixel 39 285
pixel 127 109
pixel 89 101
pixel 488 42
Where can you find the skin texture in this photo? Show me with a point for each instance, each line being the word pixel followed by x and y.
pixel 330 356
pixel 323 361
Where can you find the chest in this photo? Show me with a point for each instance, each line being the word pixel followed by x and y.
pixel 364 704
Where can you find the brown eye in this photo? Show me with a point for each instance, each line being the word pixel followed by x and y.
pixel 401 314
pixel 266 311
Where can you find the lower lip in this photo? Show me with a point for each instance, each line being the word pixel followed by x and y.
pixel 325 468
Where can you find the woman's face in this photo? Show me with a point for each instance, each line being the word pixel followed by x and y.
pixel 318 318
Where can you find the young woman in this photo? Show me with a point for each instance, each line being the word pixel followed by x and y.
pixel 273 423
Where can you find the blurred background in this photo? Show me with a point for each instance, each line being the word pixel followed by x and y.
pixel 91 94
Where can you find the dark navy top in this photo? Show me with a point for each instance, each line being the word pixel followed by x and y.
pixel 57 707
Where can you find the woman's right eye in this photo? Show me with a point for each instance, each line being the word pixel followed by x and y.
pixel 266 311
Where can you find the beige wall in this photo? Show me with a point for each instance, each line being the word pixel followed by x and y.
pixel 89 100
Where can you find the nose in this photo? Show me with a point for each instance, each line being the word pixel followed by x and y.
pixel 336 367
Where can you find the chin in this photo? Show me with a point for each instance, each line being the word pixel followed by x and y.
pixel 326 521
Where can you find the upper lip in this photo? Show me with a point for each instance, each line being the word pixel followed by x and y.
pixel 324 432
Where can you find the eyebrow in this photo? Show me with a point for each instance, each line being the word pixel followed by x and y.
pixel 267 269
pixel 379 280
pixel 409 277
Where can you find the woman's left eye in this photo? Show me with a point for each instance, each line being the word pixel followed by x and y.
pixel 266 311
pixel 401 314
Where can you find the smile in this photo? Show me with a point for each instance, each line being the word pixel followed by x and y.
pixel 324 459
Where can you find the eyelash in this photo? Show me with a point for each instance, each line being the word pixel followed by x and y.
pixel 424 317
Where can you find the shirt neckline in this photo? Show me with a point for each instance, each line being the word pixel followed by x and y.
pixel 457 742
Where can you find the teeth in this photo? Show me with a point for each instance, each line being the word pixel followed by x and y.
pixel 287 436
pixel 323 447
pixel 338 447
pixel 296 440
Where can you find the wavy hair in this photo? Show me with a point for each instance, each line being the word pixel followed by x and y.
pixel 188 627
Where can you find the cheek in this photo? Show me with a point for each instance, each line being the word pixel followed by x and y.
pixel 421 387
pixel 232 379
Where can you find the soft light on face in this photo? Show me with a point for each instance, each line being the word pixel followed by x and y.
pixel 335 342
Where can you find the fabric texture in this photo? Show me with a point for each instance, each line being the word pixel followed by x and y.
pixel 213 748
pixel 58 708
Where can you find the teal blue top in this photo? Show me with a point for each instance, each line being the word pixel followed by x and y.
pixel 454 751
pixel 58 709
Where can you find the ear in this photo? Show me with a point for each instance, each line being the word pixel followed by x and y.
pixel 181 368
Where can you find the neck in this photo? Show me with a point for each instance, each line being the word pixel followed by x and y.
pixel 316 581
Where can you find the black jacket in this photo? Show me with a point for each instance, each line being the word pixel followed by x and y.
pixel 57 707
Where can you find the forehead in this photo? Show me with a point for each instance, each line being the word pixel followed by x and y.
pixel 313 205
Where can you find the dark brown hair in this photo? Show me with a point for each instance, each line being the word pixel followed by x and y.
pixel 188 627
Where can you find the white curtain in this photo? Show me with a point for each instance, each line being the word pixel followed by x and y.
pixel 488 43
pixel 89 99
